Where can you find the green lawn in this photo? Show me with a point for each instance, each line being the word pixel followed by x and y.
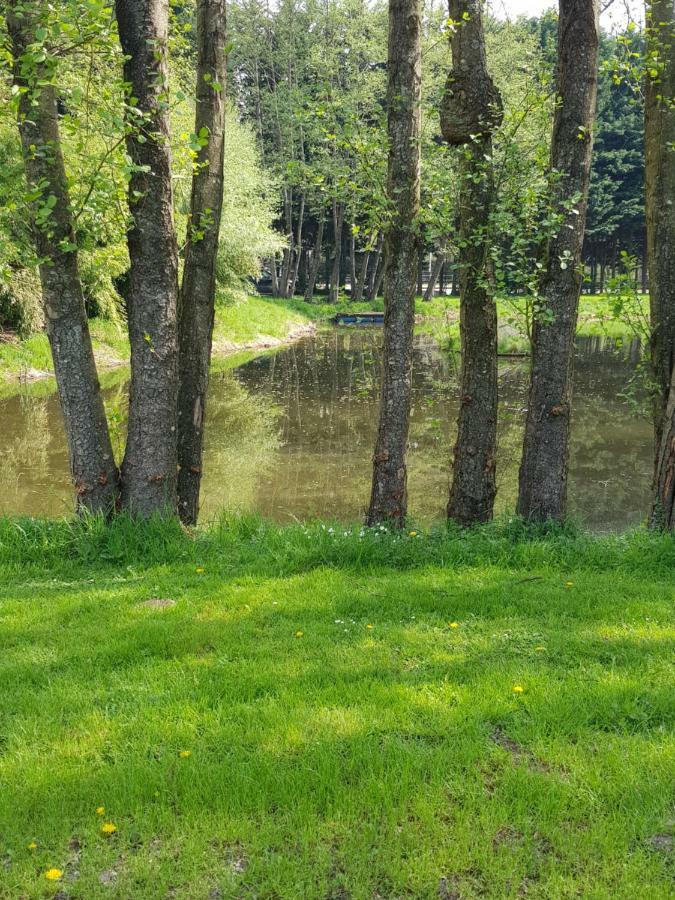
pixel 314 714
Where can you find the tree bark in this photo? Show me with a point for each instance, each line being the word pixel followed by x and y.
pixel 198 289
pixel 471 110
pixel 92 463
pixel 543 471
pixel 316 263
pixel 150 458
pixel 388 500
pixel 663 508
pixel 660 200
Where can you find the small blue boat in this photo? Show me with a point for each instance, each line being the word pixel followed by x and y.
pixel 359 318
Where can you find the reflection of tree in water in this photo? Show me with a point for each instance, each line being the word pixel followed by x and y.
pixel 328 391
pixel 26 447
pixel 240 441
pixel 33 456
pixel 291 434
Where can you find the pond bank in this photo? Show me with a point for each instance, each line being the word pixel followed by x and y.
pixel 254 324
pixel 261 323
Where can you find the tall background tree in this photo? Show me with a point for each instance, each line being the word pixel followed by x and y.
pixel 542 490
pixel 388 499
pixel 471 110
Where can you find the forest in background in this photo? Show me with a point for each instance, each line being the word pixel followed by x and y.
pixel 305 162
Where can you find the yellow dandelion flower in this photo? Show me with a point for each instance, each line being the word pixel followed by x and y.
pixel 412 533
pixel 299 633
pixel 199 570
pixel 32 846
pixel 569 583
pixel 185 754
pixel 453 624
pixel 53 874
pixel 100 810
pixel 370 626
pixel 108 828
pixel 518 689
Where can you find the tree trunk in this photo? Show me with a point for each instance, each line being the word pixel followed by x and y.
pixel 374 267
pixel 361 278
pixel 295 268
pixel 377 273
pixel 288 250
pixel 439 261
pixel 334 289
pixel 150 459
pixel 663 509
pixel 471 110
pixel 544 466
pixel 198 290
pixel 274 276
pixel 92 464
pixel 316 263
pixel 352 265
pixel 388 500
pixel 660 200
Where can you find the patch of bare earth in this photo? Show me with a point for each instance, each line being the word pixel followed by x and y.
pixel 520 755
pixel 158 603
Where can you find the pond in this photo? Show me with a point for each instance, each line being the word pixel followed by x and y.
pixel 290 434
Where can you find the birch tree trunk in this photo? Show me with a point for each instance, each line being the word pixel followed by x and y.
pixel 470 111
pixel 92 464
pixel 338 216
pixel 543 471
pixel 439 261
pixel 198 290
pixel 361 278
pixel 352 265
pixel 660 199
pixel 295 268
pixel 316 263
pixel 388 500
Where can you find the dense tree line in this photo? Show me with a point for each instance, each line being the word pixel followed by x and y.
pixel 310 78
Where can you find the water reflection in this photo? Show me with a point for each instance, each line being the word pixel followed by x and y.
pixel 290 435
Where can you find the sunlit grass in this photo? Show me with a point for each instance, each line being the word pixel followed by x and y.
pixel 321 714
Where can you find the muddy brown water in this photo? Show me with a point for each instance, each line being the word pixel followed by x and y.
pixel 290 434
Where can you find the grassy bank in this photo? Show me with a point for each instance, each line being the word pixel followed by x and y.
pixel 256 322
pixel 317 712
pixel 261 322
